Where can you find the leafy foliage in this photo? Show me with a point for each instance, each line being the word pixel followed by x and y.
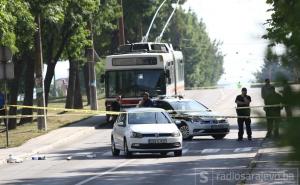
pixel 285 29
pixel 203 60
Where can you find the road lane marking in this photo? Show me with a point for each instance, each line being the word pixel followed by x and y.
pixel 208 151
pixel 246 149
pixel 104 173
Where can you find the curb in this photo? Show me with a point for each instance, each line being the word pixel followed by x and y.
pixel 62 141
pixel 251 166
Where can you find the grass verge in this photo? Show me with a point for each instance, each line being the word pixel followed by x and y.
pixel 28 131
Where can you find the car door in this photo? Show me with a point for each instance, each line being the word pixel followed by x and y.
pixel 119 130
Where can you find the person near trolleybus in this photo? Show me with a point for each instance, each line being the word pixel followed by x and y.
pixel 146 101
pixel 2 103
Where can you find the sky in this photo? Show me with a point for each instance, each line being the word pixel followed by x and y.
pixel 239 24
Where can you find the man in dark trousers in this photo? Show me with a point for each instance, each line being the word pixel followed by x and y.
pixel 146 101
pixel 243 100
pixel 116 107
pixel 273 113
pixel 2 103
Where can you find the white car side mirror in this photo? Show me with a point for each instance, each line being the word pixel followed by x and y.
pixel 121 124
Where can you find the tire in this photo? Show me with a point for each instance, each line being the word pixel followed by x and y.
pixel 114 151
pixel 219 137
pixel 178 153
pixel 163 153
pixel 127 153
pixel 184 129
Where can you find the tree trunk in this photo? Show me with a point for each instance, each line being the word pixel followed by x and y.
pixel 29 86
pixel 13 95
pixel 71 85
pixel 86 82
pixel 77 95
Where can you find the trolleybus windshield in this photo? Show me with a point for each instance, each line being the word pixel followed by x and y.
pixel 134 82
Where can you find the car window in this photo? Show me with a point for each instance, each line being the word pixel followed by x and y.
pixel 188 106
pixel 149 118
pixel 163 105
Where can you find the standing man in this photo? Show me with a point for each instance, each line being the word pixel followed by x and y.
pixel 146 101
pixel 2 103
pixel 266 90
pixel 273 113
pixel 243 100
pixel 116 107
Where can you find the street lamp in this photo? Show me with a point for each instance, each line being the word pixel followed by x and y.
pixel 6 73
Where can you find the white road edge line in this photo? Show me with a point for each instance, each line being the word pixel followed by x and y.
pixel 104 173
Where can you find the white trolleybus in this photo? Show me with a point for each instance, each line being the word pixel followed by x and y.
pixel 143 67
pixel 152 67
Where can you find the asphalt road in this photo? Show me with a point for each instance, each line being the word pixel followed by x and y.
pixel 199 156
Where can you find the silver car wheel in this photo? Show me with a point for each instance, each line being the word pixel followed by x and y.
pixel 184 129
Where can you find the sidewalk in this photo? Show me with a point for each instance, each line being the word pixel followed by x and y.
pixel 52 139
pixel 272 166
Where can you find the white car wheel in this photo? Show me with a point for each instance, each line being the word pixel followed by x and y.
pixel 114 151
pixel 127 153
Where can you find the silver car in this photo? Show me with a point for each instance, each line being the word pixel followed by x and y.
pixel 194 118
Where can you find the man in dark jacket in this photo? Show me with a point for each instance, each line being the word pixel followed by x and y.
pixel 266 90
pixel 2 103
pixel 116 107
pixel 273 113
pixel 243 100
pixel 146 101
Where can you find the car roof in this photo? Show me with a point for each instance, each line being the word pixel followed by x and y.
pixel 174 99
pixel 145 109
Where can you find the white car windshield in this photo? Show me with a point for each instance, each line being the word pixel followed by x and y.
pixel 149 118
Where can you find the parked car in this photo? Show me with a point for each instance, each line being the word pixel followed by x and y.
pixel 194 118
pixel 145 130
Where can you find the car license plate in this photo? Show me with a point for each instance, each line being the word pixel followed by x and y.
pixel 157 141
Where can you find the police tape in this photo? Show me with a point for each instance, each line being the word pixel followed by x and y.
pixel 43 115
pixel 66 110
pixel 178 116
pixel 82 112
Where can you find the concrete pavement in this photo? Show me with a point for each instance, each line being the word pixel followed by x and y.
pixel 272 165
pixel 52 139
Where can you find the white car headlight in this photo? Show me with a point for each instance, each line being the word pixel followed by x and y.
pixel 136 135
pixel 176 134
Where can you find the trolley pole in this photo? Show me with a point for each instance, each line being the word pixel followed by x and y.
pixel 6 72
pixel 121 26
pixel 92 71
pixel 5 105
pixel 39 82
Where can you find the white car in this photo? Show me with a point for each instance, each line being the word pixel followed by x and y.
pixel 145 130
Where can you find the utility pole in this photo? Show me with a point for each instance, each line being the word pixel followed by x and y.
pixel 121 25
pixel 39 82
pixel 6 72
pixel 92 72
